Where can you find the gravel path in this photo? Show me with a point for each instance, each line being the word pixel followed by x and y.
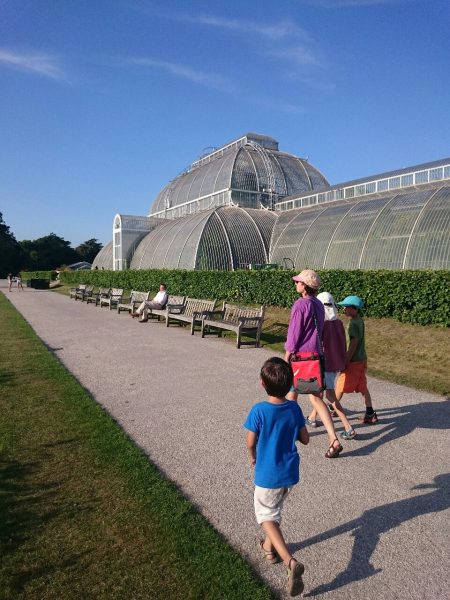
pixel 372 524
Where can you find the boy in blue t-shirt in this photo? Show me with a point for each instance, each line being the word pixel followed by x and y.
pixel 274 427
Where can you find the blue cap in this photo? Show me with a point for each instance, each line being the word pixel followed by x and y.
pixel 352 301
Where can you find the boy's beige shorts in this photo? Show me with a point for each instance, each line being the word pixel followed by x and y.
pixel 269 502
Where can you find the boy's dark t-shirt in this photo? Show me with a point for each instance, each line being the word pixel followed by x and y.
pixel 277 427
pixel 356 330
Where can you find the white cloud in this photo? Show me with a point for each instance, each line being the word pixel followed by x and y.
pixel 298 55
pixel 37 64
pixel 273 31
pixel 206 79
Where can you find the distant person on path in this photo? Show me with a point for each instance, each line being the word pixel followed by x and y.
pixel 273 428
pixel 158 302
pixel 10 280
pixel 19 282
pixel 335 349
pixel 353 378
pixel 305 333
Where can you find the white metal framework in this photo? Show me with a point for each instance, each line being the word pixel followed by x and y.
pixel 421 175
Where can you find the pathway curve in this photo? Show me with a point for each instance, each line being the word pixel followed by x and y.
pixel 372 524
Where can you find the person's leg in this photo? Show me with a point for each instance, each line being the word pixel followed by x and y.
pixel 292 395
pixel 312 418
pixel 324 414
pixel 337 406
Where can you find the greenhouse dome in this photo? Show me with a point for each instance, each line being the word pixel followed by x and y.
pixel 224 238
pixel 249 172
pixel 104 259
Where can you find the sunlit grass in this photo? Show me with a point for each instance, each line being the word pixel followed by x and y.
pixel 83 513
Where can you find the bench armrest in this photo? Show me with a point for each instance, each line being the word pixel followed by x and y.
pixel 244 320
pixel 174 308
pixel 214 314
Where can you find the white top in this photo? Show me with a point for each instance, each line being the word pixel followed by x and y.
pixel 160 298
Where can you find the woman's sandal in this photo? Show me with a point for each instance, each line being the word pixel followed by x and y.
pixel 273 553
pixel 334 451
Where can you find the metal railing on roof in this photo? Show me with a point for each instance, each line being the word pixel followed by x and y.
pixel 373 186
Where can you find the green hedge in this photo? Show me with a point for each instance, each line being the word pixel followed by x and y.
pixel 50 275
pixel 419 297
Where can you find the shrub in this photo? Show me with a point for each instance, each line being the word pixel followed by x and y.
pixel 418 297
pixel 49 275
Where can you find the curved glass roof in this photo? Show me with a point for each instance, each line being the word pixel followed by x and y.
pixel 249 172
pixel 222 238
pixel 407 230
pixel 104 259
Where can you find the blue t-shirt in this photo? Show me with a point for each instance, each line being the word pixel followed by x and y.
pixel 277 427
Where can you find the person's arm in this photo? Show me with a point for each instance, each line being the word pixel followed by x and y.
pixel 295 329
pixel 303 436
pixel 351 349
pixel 251 447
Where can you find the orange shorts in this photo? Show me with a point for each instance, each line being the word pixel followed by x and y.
pixel 353 379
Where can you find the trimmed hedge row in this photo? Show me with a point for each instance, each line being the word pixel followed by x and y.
pixel 419 297
pixel 49 275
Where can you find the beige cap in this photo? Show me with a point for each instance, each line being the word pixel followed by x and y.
pixel 309 278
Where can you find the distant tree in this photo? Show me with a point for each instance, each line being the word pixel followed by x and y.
pixel 48 252
pixel 88 250
pixel 11 255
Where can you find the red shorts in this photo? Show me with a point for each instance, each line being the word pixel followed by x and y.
pixel 353 379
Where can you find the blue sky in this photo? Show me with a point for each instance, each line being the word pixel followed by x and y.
pixel 104 101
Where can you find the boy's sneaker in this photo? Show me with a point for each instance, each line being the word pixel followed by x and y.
pixel 311 423
pixel 348 435
pixel 370 419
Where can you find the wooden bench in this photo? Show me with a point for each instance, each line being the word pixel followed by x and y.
pixel 133 301
pixel 241 319
pixel 114 298
pixel 77 291
pixel 95 298
pixel 173 302
pixel 192 311
pixel 87 293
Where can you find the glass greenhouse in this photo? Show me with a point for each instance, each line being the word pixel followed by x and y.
pixel 406 230
pixel 250 172
pixel 247 203
pixel 224 238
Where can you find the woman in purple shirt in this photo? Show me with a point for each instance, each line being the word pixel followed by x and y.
pixel 305 335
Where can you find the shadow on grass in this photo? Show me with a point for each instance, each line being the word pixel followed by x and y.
pixel 26 508
pixel 275 333
pixel 368 528
pixel 6 378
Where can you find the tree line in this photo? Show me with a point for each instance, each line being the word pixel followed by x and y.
pixel 43 254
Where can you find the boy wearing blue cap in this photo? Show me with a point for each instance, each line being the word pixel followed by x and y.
pixel 353 378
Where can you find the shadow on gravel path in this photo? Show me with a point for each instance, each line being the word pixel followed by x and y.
pixel 368 528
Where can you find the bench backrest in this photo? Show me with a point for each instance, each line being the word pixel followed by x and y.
pixel 139 296
pixel 176 300
pixel 89 289
pixel 103 292
pixel 81 287
pixel 116 293
pixel 193 305
pixel 232 312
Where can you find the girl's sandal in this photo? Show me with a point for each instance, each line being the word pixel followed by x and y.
pixel 334 451
pixel 269 553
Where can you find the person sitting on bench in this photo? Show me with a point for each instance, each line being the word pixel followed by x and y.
pixel 159 301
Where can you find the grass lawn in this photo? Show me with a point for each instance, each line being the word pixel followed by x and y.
pixel 83 513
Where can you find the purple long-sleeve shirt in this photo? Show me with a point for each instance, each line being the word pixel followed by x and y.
pixel 302 332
